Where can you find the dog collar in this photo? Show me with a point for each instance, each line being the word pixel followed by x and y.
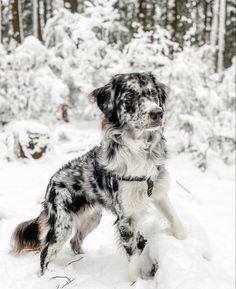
pixel 111 179
pixel 138 179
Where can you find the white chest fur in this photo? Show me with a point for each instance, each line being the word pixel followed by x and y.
pixel 134 197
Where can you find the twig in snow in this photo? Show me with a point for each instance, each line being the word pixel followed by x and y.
pixel 63 277
pixel 75 261
pixel 132 283
pixel 186 190
pixel 67 283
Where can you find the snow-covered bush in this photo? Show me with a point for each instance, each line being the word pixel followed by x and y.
pixel 148 51
pixel 80 57
pixel 201 111
pixel 29 88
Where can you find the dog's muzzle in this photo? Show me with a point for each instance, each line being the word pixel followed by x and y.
pixel 156 115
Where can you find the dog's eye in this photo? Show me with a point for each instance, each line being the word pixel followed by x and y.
pixel 133 95
pixel 153 92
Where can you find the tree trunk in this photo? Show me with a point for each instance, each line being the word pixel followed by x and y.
pixel 207 20
pixel 142 14
pixel 74 6
pixel 49 9
pixel 16 21
pixel 65 114
pixel 35 18
pixel 221 35
pixel 39 21
pixel 172 19
pixel 20 20
pixel 45 12
pixel 214 30
pixel 0 21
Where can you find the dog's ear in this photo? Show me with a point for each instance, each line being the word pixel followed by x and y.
pixel 162 90
pixel 163 93
pixel 103 97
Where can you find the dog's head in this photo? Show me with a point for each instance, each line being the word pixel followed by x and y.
pixel 134 100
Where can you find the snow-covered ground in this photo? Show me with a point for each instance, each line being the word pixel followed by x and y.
pixel 205 260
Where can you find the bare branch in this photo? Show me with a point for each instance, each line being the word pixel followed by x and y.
pixel 63 277
pixel 186 190
pixel 67 283
pixel 77 260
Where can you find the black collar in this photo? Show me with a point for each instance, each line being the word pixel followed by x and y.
pixel 138 179
pixel 113 177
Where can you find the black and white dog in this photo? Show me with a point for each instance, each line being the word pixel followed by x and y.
pixel 124 174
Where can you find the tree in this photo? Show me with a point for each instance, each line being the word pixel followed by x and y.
pixel 47 10
pixel 36 20
pixel 40 19
pixel 172 19
pixel 230 33
pixel 16 20
pixel 214 30
pixel 0 21
pixel 142 14
pixel 207 20
pixel 221 35
pixel 72 5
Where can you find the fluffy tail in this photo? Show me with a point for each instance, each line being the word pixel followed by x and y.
pixel 27 235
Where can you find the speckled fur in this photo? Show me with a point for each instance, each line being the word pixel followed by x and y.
pixel 133 145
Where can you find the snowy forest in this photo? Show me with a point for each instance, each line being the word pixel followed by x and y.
pixel 53 53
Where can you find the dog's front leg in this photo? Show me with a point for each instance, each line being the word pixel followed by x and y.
pixel 162 201
pixel 126 228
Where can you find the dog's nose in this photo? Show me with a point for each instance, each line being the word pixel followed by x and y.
pixel 156 115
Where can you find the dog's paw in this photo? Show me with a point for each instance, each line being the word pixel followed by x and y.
pixel 76 247
pixel 149 273
pixel 179 231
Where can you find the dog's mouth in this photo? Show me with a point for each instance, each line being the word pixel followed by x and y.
pixel 155 124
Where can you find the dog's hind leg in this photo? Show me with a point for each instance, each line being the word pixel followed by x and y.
pixel 86 222
pixel 59 224
pixel 60 227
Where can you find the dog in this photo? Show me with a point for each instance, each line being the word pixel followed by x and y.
pixel 124 174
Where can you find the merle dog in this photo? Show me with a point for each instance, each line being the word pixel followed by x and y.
pixel 124 174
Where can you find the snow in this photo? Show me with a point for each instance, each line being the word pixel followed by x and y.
pixel 205 260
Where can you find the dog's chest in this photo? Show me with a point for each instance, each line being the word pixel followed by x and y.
pixel 133 196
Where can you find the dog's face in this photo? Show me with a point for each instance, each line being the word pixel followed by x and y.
pixel 133 100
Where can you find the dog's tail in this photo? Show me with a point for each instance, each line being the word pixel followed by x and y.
pixel 27 236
